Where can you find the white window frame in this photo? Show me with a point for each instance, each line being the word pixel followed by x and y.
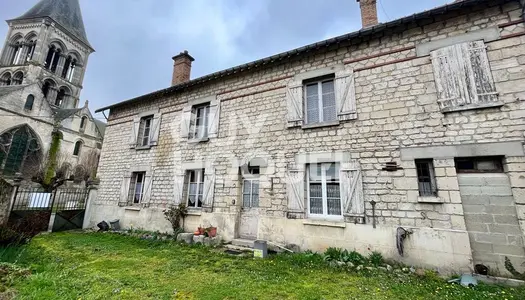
pixel 250 179
pixel 324 215
pixel 199 174
pixel 199 132
pixel 142 133
pixel 133 192
pixel 319 83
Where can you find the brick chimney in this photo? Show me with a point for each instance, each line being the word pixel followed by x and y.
pixel 181 68
pixel 368 12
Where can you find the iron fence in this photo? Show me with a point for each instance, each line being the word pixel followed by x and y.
pixel 38 199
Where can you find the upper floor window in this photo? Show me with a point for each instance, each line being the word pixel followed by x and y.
pixel 83 122
pixel 53 56
pixel 426 178
pixel 5 79
pixel 463 77
pixel 144 131
pixel 199 121
pixel 18 78
pixel 320 101
pixel 29 102
pixel 78 148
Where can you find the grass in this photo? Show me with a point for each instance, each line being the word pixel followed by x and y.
pixel 107 266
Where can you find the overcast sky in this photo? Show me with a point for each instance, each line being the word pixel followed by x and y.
pixel 135 39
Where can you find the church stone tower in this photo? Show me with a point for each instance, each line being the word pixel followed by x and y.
pixel 48 45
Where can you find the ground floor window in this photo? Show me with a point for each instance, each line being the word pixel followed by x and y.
pixel 324 196
pixel 426 177
pixel 250 187
pixel 136 187
pixel 479 165
pixel 19 151
pixel 195 187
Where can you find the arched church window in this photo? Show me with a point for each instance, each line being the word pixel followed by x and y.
pixel 17 53
pixel 18 78
pixel 31 51
pixel 78 148
pixel 53 55
pixel 83 122
pixel 47 87
pixel 19 151
pixel 60 97
pixel 5 79
pixel 67 66
pixel 29 102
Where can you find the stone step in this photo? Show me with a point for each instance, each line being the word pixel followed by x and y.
pixel 243 243
pixel 238 248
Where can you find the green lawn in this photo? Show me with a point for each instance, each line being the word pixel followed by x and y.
pixel 108 266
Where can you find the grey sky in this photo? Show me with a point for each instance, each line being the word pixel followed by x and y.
pixel 135 39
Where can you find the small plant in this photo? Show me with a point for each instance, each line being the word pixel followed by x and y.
pixel 376 259
pixel 333 253
pixel 356 258
pixel 175 214
pixel 510 267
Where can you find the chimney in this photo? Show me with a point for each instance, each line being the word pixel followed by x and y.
pixel 368 12
pixel 181 68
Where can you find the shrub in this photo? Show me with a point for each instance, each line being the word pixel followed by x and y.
pixel 333 253
pixel 376 259
pixel 175 214
pixel 9 237
pixel 356 258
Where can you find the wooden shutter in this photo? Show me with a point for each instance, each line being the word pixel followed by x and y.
pixel 483 89
pixel 351 181
pixel 124 190
pixel 294 104
pixel 155 130
pixel 295 191
pixel 146 194
pixel 209 188
pixel 178 189
pixel 345 95
pixel 213 122
pixel 134 133
pixel 185 122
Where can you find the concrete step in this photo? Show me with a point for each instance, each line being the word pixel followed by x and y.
pixel 243 243
pixel 238 248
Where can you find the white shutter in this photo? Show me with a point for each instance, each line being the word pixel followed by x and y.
pixel 213 122
pixel 351 181
pixel 155 130
pixel 146 193
pixel 345 95
pixel 209 188
pixel 295 190
pixel 124 190
pixel 134 133
pixel 185 122
pixel 482 83
pixel 294 104
pixel 178 189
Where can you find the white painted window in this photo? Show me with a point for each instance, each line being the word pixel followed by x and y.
pixel 199 121
pixel 195 188
pixel 250 188
pixel 323 190
pixel 320 102
pixel 426 178
pixel 144 131
pixel 136 187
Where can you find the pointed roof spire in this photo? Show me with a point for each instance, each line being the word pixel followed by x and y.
pixel 65 12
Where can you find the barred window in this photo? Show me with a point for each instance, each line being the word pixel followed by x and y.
pixel 324 196
pixel 426 177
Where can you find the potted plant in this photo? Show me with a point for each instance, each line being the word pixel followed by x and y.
pixel 210 231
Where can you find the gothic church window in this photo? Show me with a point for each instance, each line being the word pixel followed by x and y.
pixel 29 102
pixel 18 78
pixel 19 151
pixel 5 79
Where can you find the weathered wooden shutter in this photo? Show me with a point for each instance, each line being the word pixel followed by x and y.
pixel 294 104
pixel 185 122
pixel 146 193
pixel 134 133
pixel 209 188
pixel 446 67
pixel 295 191
pixel 345 95
pixel 213 122
pixel 178 189
pixel 155 130
pixel 124 190
pixel 351 181
pixel 483 89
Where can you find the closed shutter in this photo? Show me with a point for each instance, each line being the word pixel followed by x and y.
pixel 294 104
pixel 351 181
pixel 213 122
pixel 185 122
pixel 345 95
pixel 155 130
pixel 124 190
pixel 446 67
pixel 178 189
pixel 209 188
pixel 483 88
pixel 295 191
pixel 146 194
pixel 134 133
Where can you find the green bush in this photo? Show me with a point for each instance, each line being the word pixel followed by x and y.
pixel 376 259
pixel 9 237
pixel 333 253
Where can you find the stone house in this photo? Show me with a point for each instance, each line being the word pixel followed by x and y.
pixel 416 123
pixel 42 67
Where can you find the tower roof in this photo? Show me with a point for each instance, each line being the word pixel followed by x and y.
pixel 65 12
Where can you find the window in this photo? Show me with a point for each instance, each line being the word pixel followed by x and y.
pixel 78 148
pixel 136 187
pixel 479 165
pixel 463 77
pixel 5 79
pixel 324 197
pixel 320 101
pixel 250 187
pixel 144 131
pixel 83 123
pixel 426 178
pixel 18 78
pixel 29 102
pixel 20 151
pixel 199 121
pixel 195 187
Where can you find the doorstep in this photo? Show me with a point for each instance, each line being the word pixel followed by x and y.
pixel 247 243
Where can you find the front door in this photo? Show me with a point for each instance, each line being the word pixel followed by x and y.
pixel 249 223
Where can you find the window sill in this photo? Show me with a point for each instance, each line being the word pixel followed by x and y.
pixel 325 223
pixel 430 199
pixel 194 212
pixel 472 106
pixel 318 125
pixel 133 208
pixel 196 141
pixel 139 148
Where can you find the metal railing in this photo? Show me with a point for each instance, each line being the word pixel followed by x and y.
pixel 59 199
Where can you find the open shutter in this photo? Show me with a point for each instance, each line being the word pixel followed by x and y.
pixel 146 194
pixel 345 95
pixel 482 83
pixel 134 133
pixel 124 190
pixel 209 188
pixel 178 189
pixel 351 181
pixel 185 122
pixel 155 130
pixel 295 191
pixel 213 122
pixel 294 104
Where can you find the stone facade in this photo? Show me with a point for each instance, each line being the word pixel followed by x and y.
pixel 397 118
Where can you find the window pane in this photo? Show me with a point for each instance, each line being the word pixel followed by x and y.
pixel 332 172
pixel 312 103
pixel 193 177
pixel 329 107
pixel 193 189
pixel 425 178
pixel 246 187
pixel 191 200
pixel 255 200
pixel 246 200
pixel 316 198
pixel 255 187
pixel 315 171
pixel 199 201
